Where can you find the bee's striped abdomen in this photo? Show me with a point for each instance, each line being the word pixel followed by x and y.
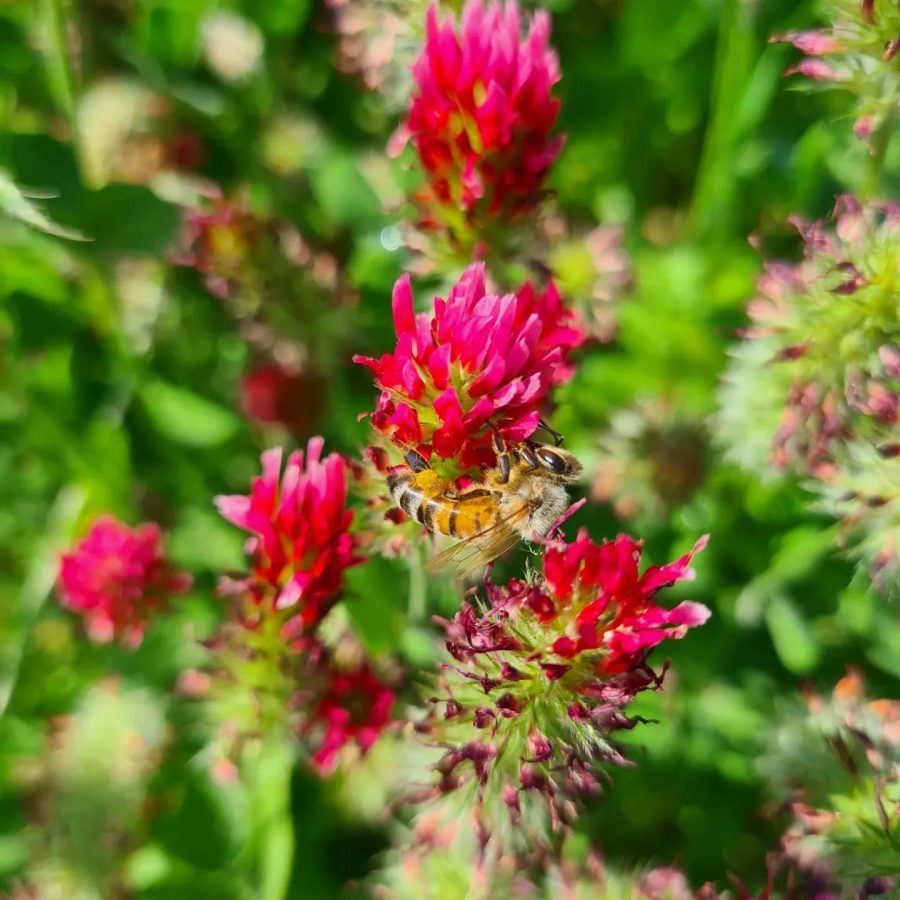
pixel 421 495
pixel 406 493
pixel 475 511
pixel 445 519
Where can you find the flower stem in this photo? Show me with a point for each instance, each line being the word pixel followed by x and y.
pixel 417 586
pixel 269 781
pixel 711 212
pixel 59 69
pixel 38 585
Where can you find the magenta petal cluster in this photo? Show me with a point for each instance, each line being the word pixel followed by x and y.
pixel 300 545
pixel 480 361
pixel 609 605
pixel 354 707
pixel 483 110
pixel 592 607
pixel 118 579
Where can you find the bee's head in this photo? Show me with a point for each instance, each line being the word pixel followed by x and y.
pixel 558 463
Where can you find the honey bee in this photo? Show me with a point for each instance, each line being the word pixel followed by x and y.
pixel 519 498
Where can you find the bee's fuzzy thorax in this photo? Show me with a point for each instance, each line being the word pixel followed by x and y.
pixel 543 494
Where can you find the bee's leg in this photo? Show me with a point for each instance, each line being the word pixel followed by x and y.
pixel 503 460
pixel 415 461
pixel 527 454
pixel 557 437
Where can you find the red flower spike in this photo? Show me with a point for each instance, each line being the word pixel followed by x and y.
pixel 356 708
pixel 482 111
pixel 299 521
pixel 216 243
pixel 479 361
pixel 610 605
pixel 566 653
pixel 118 579
pixel 273 394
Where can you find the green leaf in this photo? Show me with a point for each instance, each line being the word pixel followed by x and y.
pixel 193 885
pixel 14 851
pixel 16 204
pixel 187 418
pixel 884 651
pixel 795 644
pixel 146 867
pixel 376 602
pixel 126 218
pixel 200 829
pixel 40 578
pixel 282 18
pixel 43 164
pixel 419 647
pixel 204 541
pixel 344 194
pixel 800 553
pixel 39 323
pixel 54 19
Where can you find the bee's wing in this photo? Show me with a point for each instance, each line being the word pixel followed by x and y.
pixel 467 557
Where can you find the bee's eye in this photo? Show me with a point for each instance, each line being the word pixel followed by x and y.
pixel 552 461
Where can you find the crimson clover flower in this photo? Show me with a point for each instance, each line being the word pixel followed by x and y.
pixel 592 269
pixel 815 386
pixel 249 256
pixel 118 579
pixel 479 361
pixel 300 545
pixel 825 333
pixel 541 675
pixel 856 51
pixel 290 396
pixel 275 674
pixel 608 604
pixel 482 112
pixel 217 242
pixel 838 762
pixel 354 706
pixel 865 493
pixel 378 41
pixel 265 683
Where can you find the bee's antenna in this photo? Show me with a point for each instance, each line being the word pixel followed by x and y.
pixel 557 437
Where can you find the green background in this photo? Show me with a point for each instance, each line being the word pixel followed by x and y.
pixel 681 129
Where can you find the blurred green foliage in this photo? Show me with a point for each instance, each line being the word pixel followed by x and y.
pixel 120 391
